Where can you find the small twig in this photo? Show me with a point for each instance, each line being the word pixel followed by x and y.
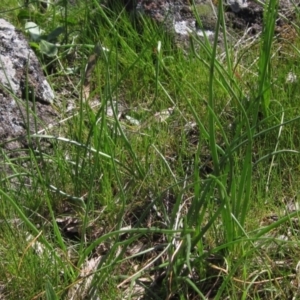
pixel 28 246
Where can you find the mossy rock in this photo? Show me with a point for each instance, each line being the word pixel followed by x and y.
pixel 207 15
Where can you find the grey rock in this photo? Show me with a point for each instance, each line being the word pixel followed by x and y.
pixel 19 65
pixel 25 95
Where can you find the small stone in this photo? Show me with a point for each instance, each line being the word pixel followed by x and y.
pixel 237 5
pixel 291 77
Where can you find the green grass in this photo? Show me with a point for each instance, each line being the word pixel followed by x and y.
pixel 197 202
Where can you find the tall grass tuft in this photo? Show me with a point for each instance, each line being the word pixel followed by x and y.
pixel 167 197
pixel 265 76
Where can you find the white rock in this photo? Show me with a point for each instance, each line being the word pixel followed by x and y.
pixel 291 78
pixel 237 5
pixel 182 28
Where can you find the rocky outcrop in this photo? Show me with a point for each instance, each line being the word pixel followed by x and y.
pixel 25 95
pixel 178 16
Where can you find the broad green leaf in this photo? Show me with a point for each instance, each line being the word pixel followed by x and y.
pixel 34 30
pixel 53 35
pixel 34 46
pixel 47 48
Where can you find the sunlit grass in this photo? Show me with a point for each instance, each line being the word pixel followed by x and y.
pixel 199 172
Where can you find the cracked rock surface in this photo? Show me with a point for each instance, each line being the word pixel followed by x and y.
pixel 25 95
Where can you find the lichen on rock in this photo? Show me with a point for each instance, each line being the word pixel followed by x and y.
pixel 25 95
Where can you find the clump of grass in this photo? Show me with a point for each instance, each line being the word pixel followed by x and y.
pixel 186 193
